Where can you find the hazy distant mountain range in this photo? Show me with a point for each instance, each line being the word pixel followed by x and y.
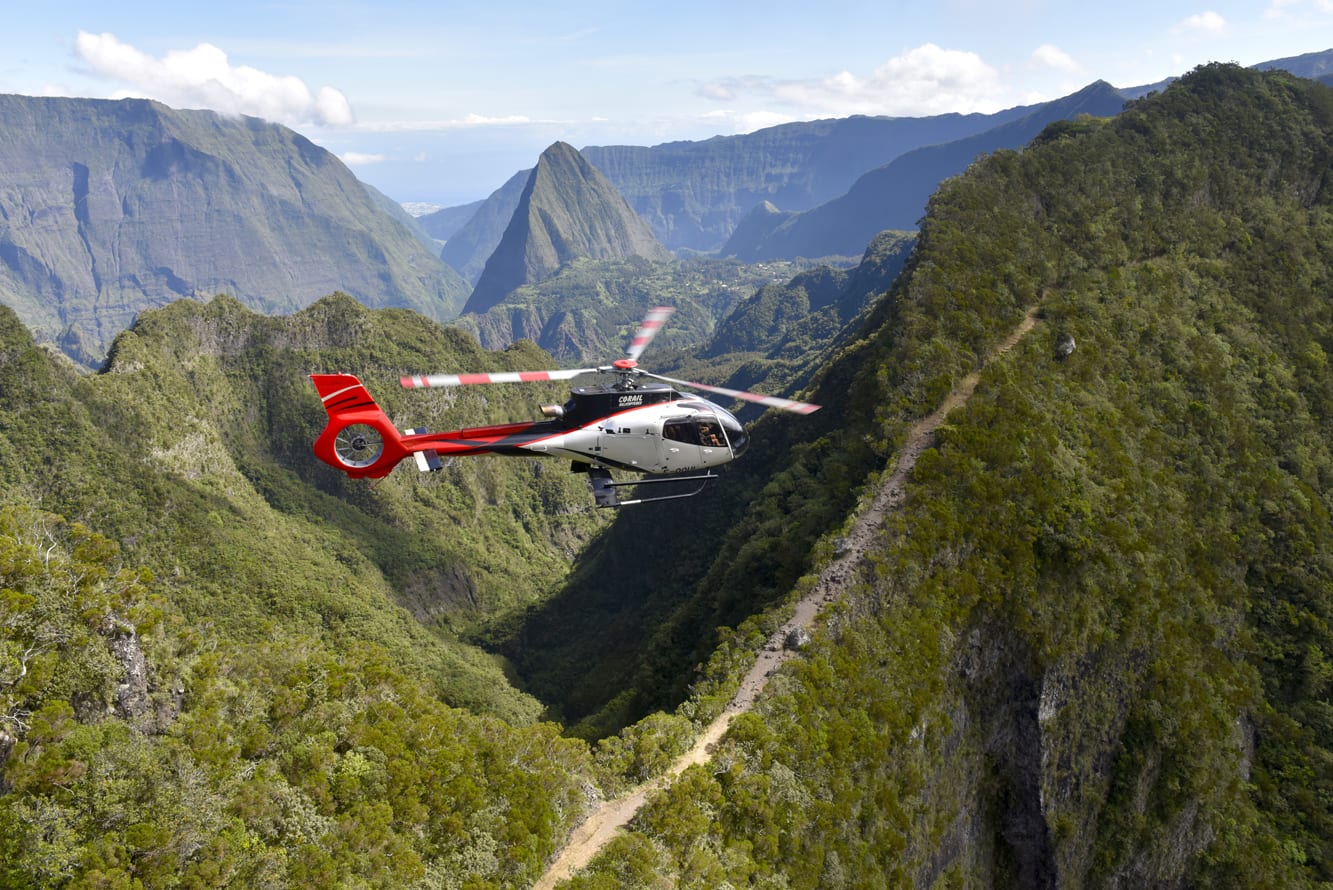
pixel 693 194
pixel 696 195
pixel 111 207
pixel 894 196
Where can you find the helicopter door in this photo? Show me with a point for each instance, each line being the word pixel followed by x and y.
pixel 632 446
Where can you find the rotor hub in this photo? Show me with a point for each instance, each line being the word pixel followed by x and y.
pixel 624 364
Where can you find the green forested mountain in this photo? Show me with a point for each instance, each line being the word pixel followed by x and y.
pixel 108 208
pixel 1092 648
pixel 567 211
pixel 692 194
pixel 586 312
pixel 223 664
pixel 894 195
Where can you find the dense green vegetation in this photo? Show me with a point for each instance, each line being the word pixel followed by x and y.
pixel 275 763
pixel 249 673
pixel 1093 649
pixel 585 314
pixel 708 557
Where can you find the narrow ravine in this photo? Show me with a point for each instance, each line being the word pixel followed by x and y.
pixel 612 815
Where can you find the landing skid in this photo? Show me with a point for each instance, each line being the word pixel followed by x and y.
pixel 605 494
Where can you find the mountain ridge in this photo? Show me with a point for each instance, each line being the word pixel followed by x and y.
pixel 112 207
pixel 568 210
pixel 894 195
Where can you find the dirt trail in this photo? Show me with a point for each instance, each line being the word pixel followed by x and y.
pixel 612 815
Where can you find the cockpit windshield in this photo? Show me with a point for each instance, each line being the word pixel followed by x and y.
pixel 736 434
pixel 710 427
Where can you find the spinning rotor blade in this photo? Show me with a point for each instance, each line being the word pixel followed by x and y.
pixel 648 328
pixel 498 377
pixel 770 401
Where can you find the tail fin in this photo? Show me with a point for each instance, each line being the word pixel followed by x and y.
pixel 359 439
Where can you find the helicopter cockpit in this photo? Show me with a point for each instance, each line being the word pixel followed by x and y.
pixel 711 427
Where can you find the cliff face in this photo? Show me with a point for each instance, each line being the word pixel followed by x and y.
pixel 568 210
pixel 1090 650
pixel 893 196
pixel 693 194
pixel 109 208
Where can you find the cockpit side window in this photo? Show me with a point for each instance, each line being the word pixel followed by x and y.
pixel 710 435
pixel 681 430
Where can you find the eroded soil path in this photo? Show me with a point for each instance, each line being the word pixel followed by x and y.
pixel 612 815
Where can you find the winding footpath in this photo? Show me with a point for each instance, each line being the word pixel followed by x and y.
pixel 610 816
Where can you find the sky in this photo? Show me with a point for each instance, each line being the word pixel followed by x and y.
pixel 441 102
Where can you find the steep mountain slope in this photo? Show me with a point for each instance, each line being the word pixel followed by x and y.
pixel 568 210
pixel 443 224
pixel 468 249
pixel 611 646
pixel 109 208
pixel 692 194
pixel 205 411
pixel 894 196
pixel 231 666
pixel 586 313
pixel 1090 652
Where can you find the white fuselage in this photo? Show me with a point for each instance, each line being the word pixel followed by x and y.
pixel 671 437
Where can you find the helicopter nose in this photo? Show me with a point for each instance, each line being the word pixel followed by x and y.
pixel 740 440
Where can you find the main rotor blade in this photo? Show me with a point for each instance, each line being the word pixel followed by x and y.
pixel 498 377
pixel 770 401
pixel 648 328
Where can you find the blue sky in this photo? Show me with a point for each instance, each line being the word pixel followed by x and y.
pixel 441 102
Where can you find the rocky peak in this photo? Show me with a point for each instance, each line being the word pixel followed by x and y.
pixel 568 210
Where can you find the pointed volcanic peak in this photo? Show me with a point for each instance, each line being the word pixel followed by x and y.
pixel 568 210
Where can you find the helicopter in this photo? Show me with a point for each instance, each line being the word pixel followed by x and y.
pixel 631 424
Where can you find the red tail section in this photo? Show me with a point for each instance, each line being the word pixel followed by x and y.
pixel 359 439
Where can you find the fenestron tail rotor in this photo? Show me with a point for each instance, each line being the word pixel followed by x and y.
pixel 359 445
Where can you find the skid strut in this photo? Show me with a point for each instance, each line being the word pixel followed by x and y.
pixel 605 494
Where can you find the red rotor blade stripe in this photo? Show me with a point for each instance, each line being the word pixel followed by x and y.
pixel 422 382
pixel 770 401
pixel 648 329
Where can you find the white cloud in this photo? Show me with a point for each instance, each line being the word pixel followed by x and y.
pixel 1286 9
pixel 1207 22
pixel 737 122
pixel 360 158
pixel 1050 56
pixel 467 122
pixel 921 81
pixel 203 77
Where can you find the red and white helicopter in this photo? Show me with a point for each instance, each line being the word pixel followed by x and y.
pixel 640 426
